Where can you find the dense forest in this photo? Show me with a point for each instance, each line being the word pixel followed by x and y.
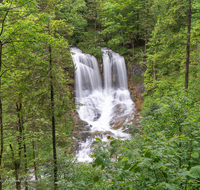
pixel 36 93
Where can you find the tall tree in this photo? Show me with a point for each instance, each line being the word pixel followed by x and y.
pixel 188 45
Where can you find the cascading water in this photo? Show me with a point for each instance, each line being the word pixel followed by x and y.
pixel 99 106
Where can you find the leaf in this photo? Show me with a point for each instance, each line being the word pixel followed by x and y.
pixel 96 178
pixel 195 171
pixel 110 138
pixel 195 155
pixel 145 163
pixel 148 154
pixel 98 139
pixel 96 142
pixel 99 160
pixel 158 165
pixel 170 186
pixel 130 154
pixel 138 169
pixel 127 165
pixel 159 187
pixel 103 154
pixel 113 143
pixel 107 161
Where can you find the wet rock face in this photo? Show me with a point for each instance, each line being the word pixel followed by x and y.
pixel 119 119
pixel 81 127
pixel 77 121
pixel 135 84
pixel 136 70
pixel 97 114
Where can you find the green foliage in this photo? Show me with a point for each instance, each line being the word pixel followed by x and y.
pixel 158 157
pixel 72 175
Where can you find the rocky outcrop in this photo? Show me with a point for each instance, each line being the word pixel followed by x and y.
pixel 119 118
pixel 135 84
pixel 81 128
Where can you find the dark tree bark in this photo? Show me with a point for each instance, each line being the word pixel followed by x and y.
pixel 95 32
pixel 25 165
pixel 188 47
pixel 95 25
pixel 133 48
pixel 53 120
pixel 16 163
pixel 154 69
pixel 1 118
pixel 1 109
pixel 34 163
pixel 146 29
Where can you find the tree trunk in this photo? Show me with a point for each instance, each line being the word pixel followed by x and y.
pixel 145 45
pixel 1 117
pixel 138 27
pixel 53 121
pixel 21 139
pixel 21 144
pixel 34 162
pixel 16 163
pixel 95 25
pixel 197 63
pixel 122 37
pixel 154 69
pixel 95 35
pixel 188 47
pixel 25 158
pixel 133 47
pixel 146 29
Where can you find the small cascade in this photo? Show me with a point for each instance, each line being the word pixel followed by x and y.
pixel 101 106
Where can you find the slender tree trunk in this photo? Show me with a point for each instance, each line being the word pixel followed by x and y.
pixel 154 69
pixel 25 156
pixel 188 47
pixel 146 29
pixel 138 27
pixel 34 162
pixel 95 25
pixel 133 48
pixel 197 63
pixel 16 163
pixel 53 121
pixel 21 139
pixel 21 144
pixel 95 33
pixel 1 119
pixel 145 45
pixel 122 37
pixel 37 148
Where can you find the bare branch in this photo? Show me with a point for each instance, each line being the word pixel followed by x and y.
pixel 3 22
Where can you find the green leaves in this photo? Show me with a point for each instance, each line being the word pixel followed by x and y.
pixel 195 171
pixel 145 163
pixel 195 155
pixel 114 143
pixel 96 178
pixel 159 187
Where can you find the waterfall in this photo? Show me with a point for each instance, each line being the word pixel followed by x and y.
pixel 100 106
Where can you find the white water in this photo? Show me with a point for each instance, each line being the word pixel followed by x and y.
pixel 99 104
